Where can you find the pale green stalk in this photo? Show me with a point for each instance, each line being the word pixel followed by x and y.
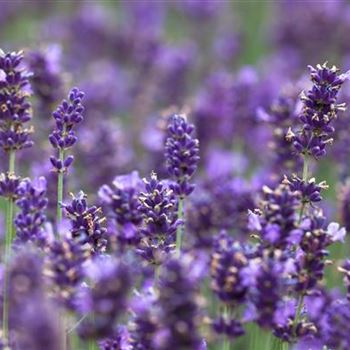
pixel 8 243
pixel 60 190
pixel 180 228
pixel 226 341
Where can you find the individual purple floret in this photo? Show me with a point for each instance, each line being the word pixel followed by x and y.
pixel 181 153
pixel 178 318
pixel 9 184
pixel 310 191
pixel 320 108
pixel 86 223
pixel 32 203
pixel 158 206
pixel 67 115
pixel 121 204
pixel 106 300
pixel 15 108
pixel 64 269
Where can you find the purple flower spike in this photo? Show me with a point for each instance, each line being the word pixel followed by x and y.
pixel 310 191
pixel 158 206
pixel 181 153
pixel 121 204
pixel 31 217
pixel 15 108
pixel 67 115
pixel 86 223
pixel 320 108
pixel 228 265
pixel 64 269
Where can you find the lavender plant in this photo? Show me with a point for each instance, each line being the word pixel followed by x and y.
pixel 181 153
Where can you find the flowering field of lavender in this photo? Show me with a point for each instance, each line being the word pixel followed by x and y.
pixel 174 175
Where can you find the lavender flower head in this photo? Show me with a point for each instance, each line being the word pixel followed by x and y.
pixel 67 115
pixel 64 269
pixel 158 206
pixel 15 108
pixel 276 218
pixel 228 270
pixel 86 223
pixel 121 204
pixel 181 153
pixel 31 217
pixel 310 190
pixel 320 108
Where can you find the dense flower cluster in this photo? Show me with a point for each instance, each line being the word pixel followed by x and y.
pixel 121 203
pixel 320 108
pixel 181 153
pixel 31 217
pixel 86 223
pixel 277 219
pixel 158 206
pixel 15 108
pixel 67 115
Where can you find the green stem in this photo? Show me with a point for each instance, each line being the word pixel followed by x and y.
pixel 12 160
pixel 285 346
pixel 58 221
pixel 92 345
pixel 298 314
pixel 305 177
pixel 179 230
pixel 226 341
pixel 8 243
pixel 305 167
pixel 60 190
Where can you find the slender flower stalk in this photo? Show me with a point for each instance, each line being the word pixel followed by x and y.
pixel 180 228
pixel 182 157
pixel 320 109
pixel 67 115
pixel 8 246
pixel 226 340
pixel 60 189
